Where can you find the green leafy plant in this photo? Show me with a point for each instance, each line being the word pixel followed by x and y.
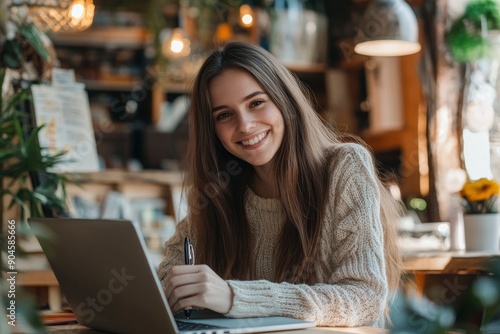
pixel 466 38
pixel 24 48
pixel 21 158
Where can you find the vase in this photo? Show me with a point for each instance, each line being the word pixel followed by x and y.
pixel 482 232
pixel 298 34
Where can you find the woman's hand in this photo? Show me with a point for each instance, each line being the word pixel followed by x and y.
pixel 197 286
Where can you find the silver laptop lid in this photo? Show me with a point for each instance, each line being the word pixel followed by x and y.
pixel 105 272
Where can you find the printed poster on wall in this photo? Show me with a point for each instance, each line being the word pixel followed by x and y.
pixel 64 109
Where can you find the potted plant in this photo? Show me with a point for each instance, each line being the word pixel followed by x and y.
pixel 468 38
pixel 21 161
pixel 481 218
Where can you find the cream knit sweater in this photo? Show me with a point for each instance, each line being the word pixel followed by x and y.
pixel 353 289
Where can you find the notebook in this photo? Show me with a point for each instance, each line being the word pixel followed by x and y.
pixel 108 279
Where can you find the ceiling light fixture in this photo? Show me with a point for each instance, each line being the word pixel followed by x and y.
pixel 388 28
pixel 55 15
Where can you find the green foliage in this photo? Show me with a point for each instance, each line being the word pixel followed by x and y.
pixel 465 39
pixel 25 309
pixel 21 156
pixel 416 315
pixel 26 43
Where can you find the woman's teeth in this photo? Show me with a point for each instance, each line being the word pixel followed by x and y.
pixel 255 140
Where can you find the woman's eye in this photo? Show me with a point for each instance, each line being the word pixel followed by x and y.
pixel 256 103
pixel 222 115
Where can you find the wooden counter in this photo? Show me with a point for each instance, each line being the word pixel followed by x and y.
pixel 77 329
pixel 430 268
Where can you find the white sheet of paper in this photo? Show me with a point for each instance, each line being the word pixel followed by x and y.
pixel 65 110
pixel 61 76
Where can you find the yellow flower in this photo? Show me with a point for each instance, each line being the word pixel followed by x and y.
pixel 480 190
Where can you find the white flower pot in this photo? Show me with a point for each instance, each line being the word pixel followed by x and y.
pixel 482 232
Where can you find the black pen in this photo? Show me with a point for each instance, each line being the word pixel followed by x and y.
pixel 188 260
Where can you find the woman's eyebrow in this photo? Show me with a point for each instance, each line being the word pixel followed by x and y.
pixel 246 98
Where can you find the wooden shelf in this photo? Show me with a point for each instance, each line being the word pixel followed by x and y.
pixel 118 176
pixel 308 69
pixel 176 87
pixel 37 278
pixel 383 142
pixel 112 85
pixel 108 37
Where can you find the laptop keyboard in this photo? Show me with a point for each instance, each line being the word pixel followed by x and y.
pixel 192 326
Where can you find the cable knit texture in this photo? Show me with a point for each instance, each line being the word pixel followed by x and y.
pixel 353 289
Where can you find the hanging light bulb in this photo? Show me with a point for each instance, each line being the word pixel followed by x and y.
pixel 77 10
pixel 81 13
pixel 177 45
pixel 246 16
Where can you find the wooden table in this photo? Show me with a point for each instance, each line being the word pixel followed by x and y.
pixel 77 329
pixel 422 264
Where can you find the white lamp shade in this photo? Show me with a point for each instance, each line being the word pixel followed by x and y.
pixel 388 28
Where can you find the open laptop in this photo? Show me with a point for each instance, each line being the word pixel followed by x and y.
pixel 108 279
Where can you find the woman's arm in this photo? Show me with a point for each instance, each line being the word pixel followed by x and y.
pixel 353 290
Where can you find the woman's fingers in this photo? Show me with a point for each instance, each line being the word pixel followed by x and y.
pixel 179 279
pixel 187 296
pixel 197 286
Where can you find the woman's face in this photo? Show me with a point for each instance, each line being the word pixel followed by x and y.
pixel 247 122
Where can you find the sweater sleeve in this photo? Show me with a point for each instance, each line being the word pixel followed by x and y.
pixel 174 251
pixel 354 288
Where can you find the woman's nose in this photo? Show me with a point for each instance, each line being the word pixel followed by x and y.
pixel 246 122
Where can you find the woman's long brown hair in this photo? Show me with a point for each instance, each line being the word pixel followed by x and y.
pixel 218 179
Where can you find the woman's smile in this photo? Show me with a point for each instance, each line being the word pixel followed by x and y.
pixel 252 143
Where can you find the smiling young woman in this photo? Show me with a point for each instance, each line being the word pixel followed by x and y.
pixel 247 123
pixel 285 219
